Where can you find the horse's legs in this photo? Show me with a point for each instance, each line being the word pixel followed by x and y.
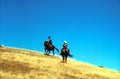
pixel 45 51
pixel 65 58
pixel 48 52
pixel 53 52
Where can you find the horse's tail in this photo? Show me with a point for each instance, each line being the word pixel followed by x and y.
pixel 70 55
pixel 56 48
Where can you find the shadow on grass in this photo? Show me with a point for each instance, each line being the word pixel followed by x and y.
pixel 68 76
pixel 95 76
pixel 14 66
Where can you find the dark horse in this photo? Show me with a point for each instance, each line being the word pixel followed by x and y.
pixel 65 52
pixel 49 47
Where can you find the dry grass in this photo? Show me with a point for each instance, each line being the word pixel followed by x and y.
pixel 23 64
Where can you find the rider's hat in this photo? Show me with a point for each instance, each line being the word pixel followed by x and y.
pixel 65 41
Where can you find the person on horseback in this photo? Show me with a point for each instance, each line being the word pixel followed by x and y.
pixel 49 40
pixel 49 46
pixel 65 52
pixel 65 47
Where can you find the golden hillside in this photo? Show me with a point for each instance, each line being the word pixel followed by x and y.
pixel 24 64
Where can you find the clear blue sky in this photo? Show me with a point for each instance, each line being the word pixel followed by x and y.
pixel 91 27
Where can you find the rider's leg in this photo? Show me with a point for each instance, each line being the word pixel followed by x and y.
pixel 63 57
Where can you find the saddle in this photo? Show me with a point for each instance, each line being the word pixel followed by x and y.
pixel 50 45
pixel 64 51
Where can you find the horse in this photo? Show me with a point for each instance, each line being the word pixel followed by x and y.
pixel 65 53
pixel 49 47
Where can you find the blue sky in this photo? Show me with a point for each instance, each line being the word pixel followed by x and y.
pixel 91 27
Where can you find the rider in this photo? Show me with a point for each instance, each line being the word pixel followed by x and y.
pixel 49 40
pixel 65 45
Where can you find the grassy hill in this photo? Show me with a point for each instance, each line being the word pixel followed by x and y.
pixel 24 64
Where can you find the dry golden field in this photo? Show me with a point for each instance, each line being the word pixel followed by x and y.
pixel 25 64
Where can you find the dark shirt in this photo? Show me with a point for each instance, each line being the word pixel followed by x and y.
pixel 50 41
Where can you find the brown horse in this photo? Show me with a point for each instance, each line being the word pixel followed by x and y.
pixel 65 53
pixel 49 47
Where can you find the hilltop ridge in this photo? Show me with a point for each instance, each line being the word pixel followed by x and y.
pixel 24 64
